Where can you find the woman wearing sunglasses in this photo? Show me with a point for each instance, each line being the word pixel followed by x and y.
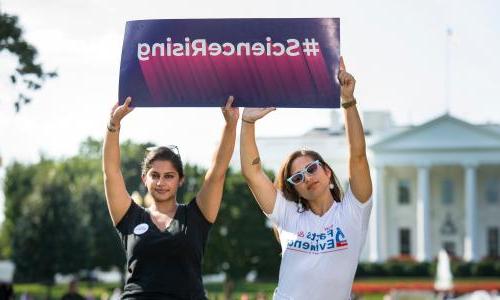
pixel 320 228
pixel 165 242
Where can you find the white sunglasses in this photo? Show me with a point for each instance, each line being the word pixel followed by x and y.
pixel 300 176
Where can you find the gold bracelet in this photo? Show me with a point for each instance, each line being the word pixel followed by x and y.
pixel 348 104
pixel 249 122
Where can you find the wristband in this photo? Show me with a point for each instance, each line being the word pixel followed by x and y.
pixel 348 104
pixel 111 126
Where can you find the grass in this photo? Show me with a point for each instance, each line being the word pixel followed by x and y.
pixel 39 291
pixel 423 279
pixel 373 297
pixel 215 291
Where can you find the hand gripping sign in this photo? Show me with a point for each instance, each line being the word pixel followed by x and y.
pixel 261 62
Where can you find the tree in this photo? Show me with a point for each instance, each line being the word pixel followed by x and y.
pixel 28 73
pixel 56 218
pixel 59 209
pixel 48 234
pixel 105 248
pixel 240 241
pixel 18 185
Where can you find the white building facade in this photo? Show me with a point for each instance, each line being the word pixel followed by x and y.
pixel 436 185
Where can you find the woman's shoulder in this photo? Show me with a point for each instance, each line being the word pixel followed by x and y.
pixel 286 204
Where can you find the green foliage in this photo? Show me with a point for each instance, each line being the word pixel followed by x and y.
pixel 38 291
pixel 459 269
pixel 49 236
pixel 56 218
pixel 18 183
pixel 486 268
pixel 215 291
pixel 28 73
pixel 132 155
pixel 369 270
pixel 240 241
pixel 423 269
pixel 193 179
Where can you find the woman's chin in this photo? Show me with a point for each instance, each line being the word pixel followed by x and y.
pixel 163 198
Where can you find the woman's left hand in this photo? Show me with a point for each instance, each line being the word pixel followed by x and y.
pixel 347 83
pixel 231 114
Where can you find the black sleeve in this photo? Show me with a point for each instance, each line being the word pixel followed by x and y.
pixel 133 217
pixel 197 219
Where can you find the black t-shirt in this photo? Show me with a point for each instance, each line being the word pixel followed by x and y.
pixel 164 264
pixel 72 296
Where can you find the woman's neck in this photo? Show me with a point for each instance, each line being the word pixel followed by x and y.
pixel 321 205
pixel 167 207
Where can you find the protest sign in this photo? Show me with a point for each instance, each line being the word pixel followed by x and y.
pixel 261 62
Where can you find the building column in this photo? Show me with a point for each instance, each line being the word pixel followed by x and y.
pixel 423 234
pixel 376 227
pixel 470 241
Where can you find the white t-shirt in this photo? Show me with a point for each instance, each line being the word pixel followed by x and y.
pixel 319 254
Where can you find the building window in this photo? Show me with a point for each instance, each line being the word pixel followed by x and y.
pixel 450 248
pixel 447 191
pixel 492 190
pixel 493 242
pixel 448 227
pixel 403 192
pixel 404 241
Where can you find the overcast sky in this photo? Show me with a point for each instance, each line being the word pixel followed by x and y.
pixel 395 49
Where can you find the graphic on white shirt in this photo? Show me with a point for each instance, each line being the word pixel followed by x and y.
pixel 319 242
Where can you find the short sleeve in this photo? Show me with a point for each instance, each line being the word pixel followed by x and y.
pixel 359 211
pixel 133 216
pixel 282 209
pixel 196 217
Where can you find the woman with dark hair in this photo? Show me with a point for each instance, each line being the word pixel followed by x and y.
pixel 321 229
pixel 165 242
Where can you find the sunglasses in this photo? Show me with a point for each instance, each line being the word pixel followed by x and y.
pixel 300 176
pixel 173 148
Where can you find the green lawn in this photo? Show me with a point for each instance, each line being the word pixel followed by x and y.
pixel 40 291
pixel 215 291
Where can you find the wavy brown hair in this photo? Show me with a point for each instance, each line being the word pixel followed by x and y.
pixel 289 190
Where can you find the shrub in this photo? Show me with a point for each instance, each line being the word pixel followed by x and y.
pixel 370 270
pixel 395 268
pixel 484 268
pixel 461 269
pixel 423 269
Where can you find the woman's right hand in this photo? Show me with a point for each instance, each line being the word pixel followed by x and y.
pixel 252 114
pixel 118 112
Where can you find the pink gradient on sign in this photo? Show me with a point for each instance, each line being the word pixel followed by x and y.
pixel 279 87
pixel 319 72
pixel 255 78
pixel 170 88
pixel 151 78
pixel 258 77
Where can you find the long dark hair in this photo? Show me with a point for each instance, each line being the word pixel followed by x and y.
pixel 289 190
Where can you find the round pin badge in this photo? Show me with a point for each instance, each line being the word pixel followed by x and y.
pixel 141 228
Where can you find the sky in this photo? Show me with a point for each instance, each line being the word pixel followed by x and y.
pixel 397 50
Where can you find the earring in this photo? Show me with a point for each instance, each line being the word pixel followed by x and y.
pixel 332 186
pixel 300 207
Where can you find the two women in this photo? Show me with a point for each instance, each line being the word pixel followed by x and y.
pixel 321 229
